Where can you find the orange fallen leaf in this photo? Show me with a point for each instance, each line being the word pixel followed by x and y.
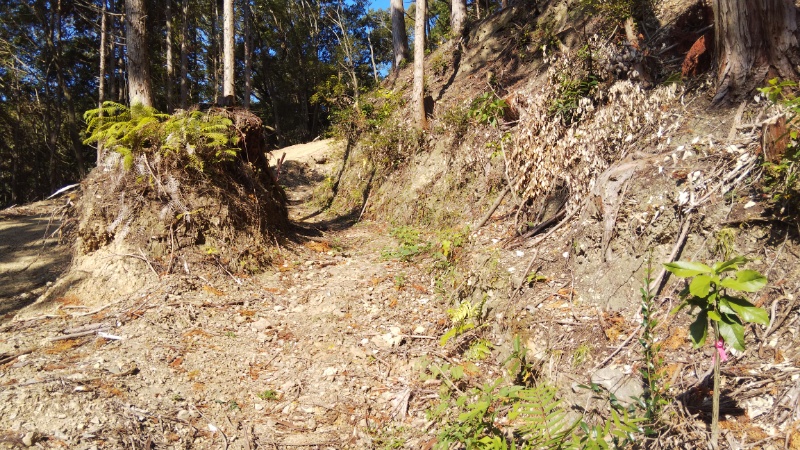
pixel 320 247
pixel 213 290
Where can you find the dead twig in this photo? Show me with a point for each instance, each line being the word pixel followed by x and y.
pixel 493 208
pixel 619 349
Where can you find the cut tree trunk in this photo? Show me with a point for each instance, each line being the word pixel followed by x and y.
pixel 399 36
pixel 418 95
pixel 755 40
pixel 139 87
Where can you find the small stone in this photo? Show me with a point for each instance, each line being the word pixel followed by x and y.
pixel 260 324
pixel 28 439
pixel 258 407
pixel 184 415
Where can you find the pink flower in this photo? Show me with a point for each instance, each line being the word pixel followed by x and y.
pixel 720 346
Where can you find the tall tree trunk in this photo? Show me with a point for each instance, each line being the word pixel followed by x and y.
pixel 248 56
pixel 214 52
pixel 185 54
pixel 418 95
pixel 752 39
pixel 228 95
pixel 478 9
pixel 458 17
pixel 399 36
pixel 503 4
pixel 66 95
pixel 139 87
pixel 101 84
pixel 170 69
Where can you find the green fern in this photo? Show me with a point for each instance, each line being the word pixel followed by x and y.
pixel 198 137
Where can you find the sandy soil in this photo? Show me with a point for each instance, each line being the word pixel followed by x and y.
pixel 30 253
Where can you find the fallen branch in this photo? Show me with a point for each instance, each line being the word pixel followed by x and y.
pixel 660 280
pixel 493 208
pixel 73 335
pixel 619 349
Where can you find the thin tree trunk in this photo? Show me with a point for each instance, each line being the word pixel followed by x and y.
pixel 228 95
pixel 72 120
pixel 478 9
pixel 139 87
pixel 418 94
pixel 504 4
pixel 458 17
pixel 753 38
pixel 170 69
pixel 372 58
pixel 213 53
pixel 248 57
pixel 101 84
pixel 399 36
pixel 185 54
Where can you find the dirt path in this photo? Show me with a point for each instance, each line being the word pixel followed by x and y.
pixel 29 256
pixel 318 353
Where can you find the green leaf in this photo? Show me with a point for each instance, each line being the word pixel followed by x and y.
pixel 746 280
pixel 698 329
pixel 746 310
pixel 476 409
pixel 686 269
pixel 732 331
pixel 700 286
pixel 731 264
pixel 713 315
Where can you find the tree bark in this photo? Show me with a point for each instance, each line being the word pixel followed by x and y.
pixel 754 40
pixel 168 56
pixel 399 36
pixel 139 86
pixel 372 58
pixel 185 54
pixel 228 95
pixel 458 17
pixel 418 95
pixel 101 84
pixel 248 57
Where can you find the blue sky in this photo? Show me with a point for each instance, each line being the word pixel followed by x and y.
pixel 382 4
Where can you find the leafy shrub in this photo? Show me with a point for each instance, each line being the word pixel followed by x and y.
pixel 488 109
pixel 782 180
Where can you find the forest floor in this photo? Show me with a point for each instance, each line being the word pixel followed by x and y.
pixel 318 352
pixel 334 345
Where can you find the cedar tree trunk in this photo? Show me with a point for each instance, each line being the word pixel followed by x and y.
pixel 399 36
pixel 418 94
pixel 755 40
pixel 139 87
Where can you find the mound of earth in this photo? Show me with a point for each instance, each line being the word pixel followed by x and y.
pixel 164 214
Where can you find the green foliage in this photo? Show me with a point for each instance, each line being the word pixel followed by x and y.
pixel 197 137
pixel 653 400
pixel 571 91
pixel 533 413
pixel 269 394
pixel 782 180
pixel 614 10
pixel 466 316
pixel 411 245
pixel 710 292
pixel 488 109
pixel 723 242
